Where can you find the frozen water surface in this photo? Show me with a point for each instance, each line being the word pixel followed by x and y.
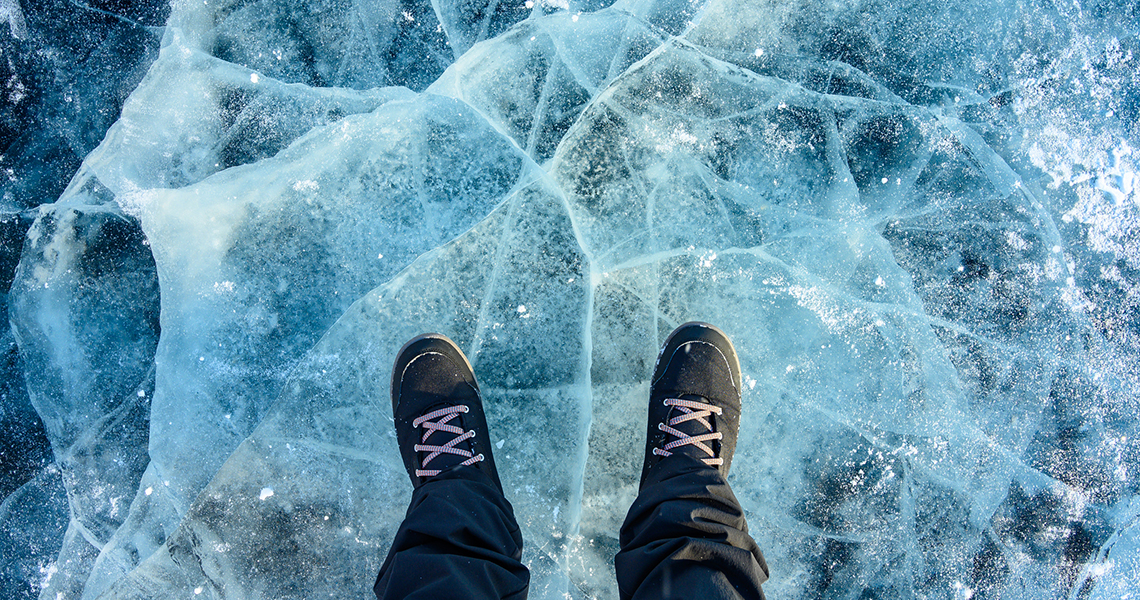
pixel 919 223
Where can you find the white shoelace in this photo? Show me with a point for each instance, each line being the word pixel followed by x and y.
pixel 430 426
pixel 691 410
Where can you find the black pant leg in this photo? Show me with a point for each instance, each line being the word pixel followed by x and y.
pixel 685 537
pixel 458 539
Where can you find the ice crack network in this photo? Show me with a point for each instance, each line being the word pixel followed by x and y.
pixel 917 222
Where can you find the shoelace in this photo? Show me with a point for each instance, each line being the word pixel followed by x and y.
pixel 691 410
pixel 431 426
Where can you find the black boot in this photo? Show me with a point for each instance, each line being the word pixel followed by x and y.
pixel 438 411
pixel 694 399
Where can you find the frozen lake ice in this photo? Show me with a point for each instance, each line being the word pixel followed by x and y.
pixel 918 222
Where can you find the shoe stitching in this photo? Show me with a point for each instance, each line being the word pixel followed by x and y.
pixel 724 358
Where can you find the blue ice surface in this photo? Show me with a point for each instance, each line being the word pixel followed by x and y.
pixel 917 221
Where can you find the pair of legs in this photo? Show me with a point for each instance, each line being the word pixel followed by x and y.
pixel 684 537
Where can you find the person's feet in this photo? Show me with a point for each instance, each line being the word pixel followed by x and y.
pixel 694 399
pixel 438 411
